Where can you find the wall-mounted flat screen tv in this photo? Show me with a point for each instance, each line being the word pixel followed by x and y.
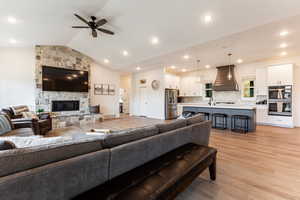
pixel 65 80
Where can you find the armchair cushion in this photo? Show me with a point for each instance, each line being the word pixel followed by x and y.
pixel 5 124
pixel 17 110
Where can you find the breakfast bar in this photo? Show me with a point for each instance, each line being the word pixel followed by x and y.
pixel 229 110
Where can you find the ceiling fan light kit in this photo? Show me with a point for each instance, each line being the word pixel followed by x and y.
pixel 94 25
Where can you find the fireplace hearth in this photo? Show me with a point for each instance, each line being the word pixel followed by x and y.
pixel 62 106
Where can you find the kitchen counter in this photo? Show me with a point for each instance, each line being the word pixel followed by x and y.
pixel 229 106
pixel 228 110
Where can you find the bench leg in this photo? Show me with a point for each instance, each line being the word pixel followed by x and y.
pixel 213 169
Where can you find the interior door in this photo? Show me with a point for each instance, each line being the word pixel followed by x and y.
pixel 143 102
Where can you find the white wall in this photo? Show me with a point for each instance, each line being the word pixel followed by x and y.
pixel 17 84
pixel 100 75
pixel 155 98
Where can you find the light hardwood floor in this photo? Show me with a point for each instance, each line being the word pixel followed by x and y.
pixel 264 165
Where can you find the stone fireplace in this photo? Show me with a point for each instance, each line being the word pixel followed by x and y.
pixel 61 57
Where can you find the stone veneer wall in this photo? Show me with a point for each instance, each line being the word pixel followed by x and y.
pixel 62 57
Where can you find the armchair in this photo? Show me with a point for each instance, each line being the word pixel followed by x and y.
pixel 41 124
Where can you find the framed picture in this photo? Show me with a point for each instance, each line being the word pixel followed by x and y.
pixel 112 90
pixel 98 89
pixel 105 88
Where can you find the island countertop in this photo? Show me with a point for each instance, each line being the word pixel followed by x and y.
pixel 201 105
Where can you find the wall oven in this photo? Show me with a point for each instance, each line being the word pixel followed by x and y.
pixel 280 100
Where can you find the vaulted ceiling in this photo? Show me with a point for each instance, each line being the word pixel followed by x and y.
pixel 244 27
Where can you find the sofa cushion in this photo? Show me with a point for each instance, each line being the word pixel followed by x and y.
pixel 6 145
pixel 5 125
pixel 131 155
pixel 195 119
pixel 27 158
pixel 172 125
pixel 127 136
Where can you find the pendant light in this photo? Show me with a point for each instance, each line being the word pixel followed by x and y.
pixel 229 73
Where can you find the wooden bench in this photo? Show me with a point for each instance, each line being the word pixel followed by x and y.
pixel 161 179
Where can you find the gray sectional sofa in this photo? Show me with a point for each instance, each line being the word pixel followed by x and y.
pixel 63 171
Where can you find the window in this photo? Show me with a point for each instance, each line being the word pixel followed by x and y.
pixel 249 89
pixel 208 90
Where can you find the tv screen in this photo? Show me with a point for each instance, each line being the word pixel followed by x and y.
pixel 65 80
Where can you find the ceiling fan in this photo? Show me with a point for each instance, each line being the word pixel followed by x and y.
pixel 94 25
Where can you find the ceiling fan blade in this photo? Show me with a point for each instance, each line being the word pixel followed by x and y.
pixel 80 27
pixel 94 33
pixel 106 31
pixel 82 19
pixel 101 22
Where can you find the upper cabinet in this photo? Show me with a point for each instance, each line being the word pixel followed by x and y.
pixel 190 86
pixel 261 81
pixel 172 81
pixel 280 75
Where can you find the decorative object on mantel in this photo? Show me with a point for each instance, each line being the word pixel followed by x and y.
pixel 111 90
pixel 155 84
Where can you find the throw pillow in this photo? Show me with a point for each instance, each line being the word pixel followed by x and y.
pixel 5 125
pixel 6 145
pixel 29 115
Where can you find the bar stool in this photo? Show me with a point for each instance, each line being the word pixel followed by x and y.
pixel 219 121
pixel 239 123
pixel 206 115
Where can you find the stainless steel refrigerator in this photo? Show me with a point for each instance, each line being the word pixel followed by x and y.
pixel 171 100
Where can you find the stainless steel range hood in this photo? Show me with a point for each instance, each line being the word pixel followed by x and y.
pixel 225 80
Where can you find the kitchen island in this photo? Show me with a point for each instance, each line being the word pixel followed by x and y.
pixel 229 110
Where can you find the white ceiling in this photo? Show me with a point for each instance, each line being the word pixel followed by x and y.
pixel 178 24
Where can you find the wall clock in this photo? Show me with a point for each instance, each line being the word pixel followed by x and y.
pixel 155 84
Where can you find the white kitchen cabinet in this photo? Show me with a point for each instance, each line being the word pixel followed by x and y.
pixel 262 114
pixel 261 85
pixel 190 86
pixel 281 121
pixel 280 75
pixel 172 81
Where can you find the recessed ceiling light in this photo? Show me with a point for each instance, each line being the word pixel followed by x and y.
pixel 283 45
pixel 186 57
pixel 284 33
pixel 125 53
pixel 13 41
pixel 207 19
pixel 75 75
pixel 12 20
pixel 173 67
pixel 283 53
pixel 138 68
pixel 239 61
pixel 106 61
pixel 154 40
pixel 207 66
pixel 183 70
